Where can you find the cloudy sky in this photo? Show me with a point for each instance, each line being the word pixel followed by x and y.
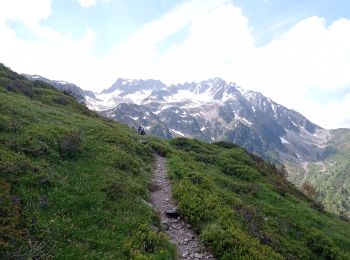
pixel 295 52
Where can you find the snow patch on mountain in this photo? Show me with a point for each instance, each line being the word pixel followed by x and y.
pixel 134 118
pixel 243 120
pixel 215 110
pixel 284 141
pixel 177 132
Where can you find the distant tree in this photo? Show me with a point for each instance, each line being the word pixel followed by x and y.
pixel 282 170
pixel 309 190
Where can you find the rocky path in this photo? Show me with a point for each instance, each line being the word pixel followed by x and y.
pixel 180 232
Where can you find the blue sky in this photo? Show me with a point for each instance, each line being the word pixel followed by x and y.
pixel 296 52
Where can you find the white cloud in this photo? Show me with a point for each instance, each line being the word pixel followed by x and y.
pixel 216 47
pixel 28 12
pixel 88 3
pixel 308 56
pixel 139 56
pixel 49 53
pixel 311 55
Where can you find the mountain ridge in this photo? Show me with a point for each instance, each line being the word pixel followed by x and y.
pixel 230 106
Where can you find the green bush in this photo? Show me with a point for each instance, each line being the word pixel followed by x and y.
pixel 11 232
pixel 146 241
pixel 35 147
pixel 124 161
pixel 232 243
pixel 252 219
pixel 235 168
pixel 159 148
pixel 69 144
pixel 205 158
pixel 188 145
pixel 235 186
pixel 14 164
pixel 321 245
pixel 226 145
pixel 61 100
pixel 10 125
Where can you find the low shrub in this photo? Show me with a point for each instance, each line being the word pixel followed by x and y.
pixel 280 185
pixel 188 145
pixel 252 219
pixel 13 164
pixel 60 100
pixel 19 85
pixel 69 144
pixel 8 124
pixel 233 243
pixel 321 245
pixel 318 206
pixel 11 232
pixel 237 187
pixel 195 204
pixel 226 145
pixel 146 242
pixel 205 158
pixel 235 168
pixel 159 148
pixel 35 148
pixel 124 161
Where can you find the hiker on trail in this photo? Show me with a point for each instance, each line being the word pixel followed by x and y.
pixel 141 130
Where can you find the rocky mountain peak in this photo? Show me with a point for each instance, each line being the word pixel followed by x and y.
pixel 132 85
pixel 210 110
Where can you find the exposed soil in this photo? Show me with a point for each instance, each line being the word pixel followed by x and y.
pixel 180 232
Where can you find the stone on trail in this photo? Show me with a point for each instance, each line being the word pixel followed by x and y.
pixel 172 213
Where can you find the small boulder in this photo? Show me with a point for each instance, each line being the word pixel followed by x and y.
pixel 165 225
pixel 172 213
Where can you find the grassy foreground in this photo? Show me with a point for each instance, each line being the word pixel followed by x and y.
pixel 244 208
pixel 74 185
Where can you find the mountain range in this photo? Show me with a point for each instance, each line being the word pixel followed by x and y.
pixel 215 110
pixel 74 185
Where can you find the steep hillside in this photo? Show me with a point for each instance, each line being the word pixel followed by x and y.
pixel 330 176
pixel 244 207
pixel 72 185
pixel 64 86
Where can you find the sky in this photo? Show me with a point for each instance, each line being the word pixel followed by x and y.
pixel 295 52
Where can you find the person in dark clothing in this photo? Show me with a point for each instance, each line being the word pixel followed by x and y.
pixel 141 130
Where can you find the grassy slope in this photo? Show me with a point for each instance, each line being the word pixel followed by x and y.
pixel 84 199
pixel 244 207
pixel 77 203
pixel 331 176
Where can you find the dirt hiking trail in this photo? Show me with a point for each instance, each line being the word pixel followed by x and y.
pixel 180 232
